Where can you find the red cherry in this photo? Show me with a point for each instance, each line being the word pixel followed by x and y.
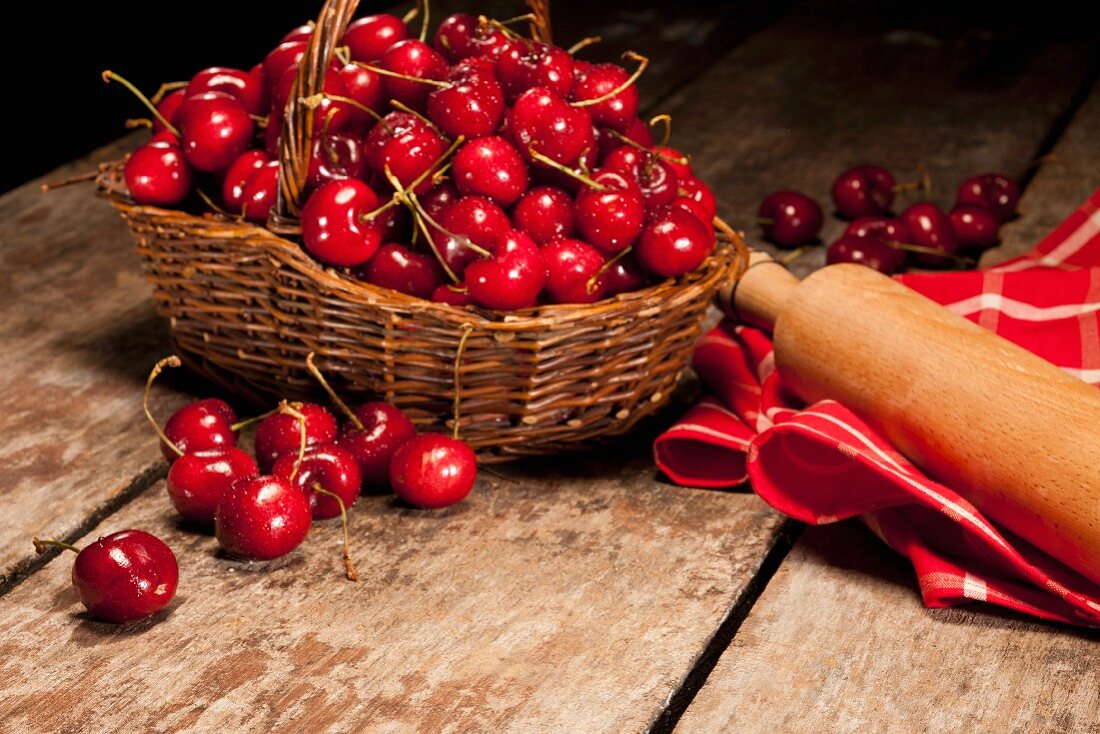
pixel 368 38
pixel 261 518
pixel 280 433
pixel 405 145
pixel 168 109
pixel 301 33
pixel 461 36
pixel 384 429
pixel 679 162
pixel 795 218
pixel 863 191
pixel 412 58
pixel 674 243
pixel 457 295
pixel 929 227
pixel 197 481
pixel 272 133
pixel 617 112
pixel 126 576
pixel 433 471
pixel 546 122
pixel 523 65
pixel 202 425
pixel 624 276
pixel 655 177
pixel 490 167
pixel 333 226
pixel 233 184
pixel 260 191
pixel 249 90
pixel 328 465
pixel 637 131
pixel 336 156
pixel 881 228
pixel 545 213
pixel 975 226
pixel 439 199
pixel 611 214
pixel 995 191
pixel 398 268
pixel 286 55
pixel 694 189
pixel 157 175
pixel 472 106
pixel 476 218
pixel 872 251
pixel 571 266
pixel 692 207
pixel 364 86
pixel 214 130
pixel 512 278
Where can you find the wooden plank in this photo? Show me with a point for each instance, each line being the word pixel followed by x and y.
pixel 839 641
pixel 555 600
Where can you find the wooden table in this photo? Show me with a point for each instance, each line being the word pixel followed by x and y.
pixel 583 594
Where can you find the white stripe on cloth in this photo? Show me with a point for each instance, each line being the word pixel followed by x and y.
pixel 974 588
pixel 696 428
pixel 1089 229
pixel 1018 309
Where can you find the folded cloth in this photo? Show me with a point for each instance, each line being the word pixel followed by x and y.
pixel 820 463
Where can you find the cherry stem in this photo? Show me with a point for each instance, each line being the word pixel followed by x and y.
pixel 133 123
pixel 431 245
pixel 79 178
pixel 284 407
pixel 349 566
pixel 332 393
pixel 793 255
pixel 426 4
pixel 667 120
pixel 260 120
pixel 165 88
pixel 411 15
pixel 682 160
pixel 109 76
pixel 397 75
pixel 254 419
pixel 583 43
pixel 343 53
pixel 399 105
pixel 484 23
pixel 314 101
pixel 907 247
pixel 590 285
pixel 369 216
pixel 643 62
pixel 210 203
pixel 545 160
pixel 43 546
pixel 467 329
pixel 170 361
pixel 529 17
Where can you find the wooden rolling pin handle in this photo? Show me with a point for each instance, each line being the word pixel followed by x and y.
pixel 758 296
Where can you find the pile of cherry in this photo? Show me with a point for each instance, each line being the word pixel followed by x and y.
pixel 875 238
pixel 305 467
pixel 484 168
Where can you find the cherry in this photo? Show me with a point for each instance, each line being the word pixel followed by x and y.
pixel 202 425
pixel 412 58
pixel 598 80
pixel 157 174
pixel 693 188
pixel 637 131
pixel 471 106
pixel 679 162
pixel 522 65
pixel 331 112
pixel 456 295
pixel 238 173
pixel 674 242
pixel 214 130
pixel 439 199
pixel 337 155
pixel 280 433
pixel 332 468
pixel 261 518
pixel 573 271
pixel 461 36
pixel 398 268
pixel 610 213
pixel 287 55
pixel 975 226
pixel 364 86
pixel 407 146
pixel 335 229
pixel 490 167
pixel 545 213
pixel 929 228
pixel 793 218
pixel 656 178
pixel 197 481
pixel 474 218
pixel 378 431
pixel 624 276
pixel 124 576
pixel 433 471
pixel 863 191
pixel 886 229
pixel 248 89
pixel 168 109
pixel 693 207
pixel 301 33
pixel 995 191
pixel 873 252
pixel 260 191
pixel 512 278
pixel 271 135
pixel 368 38
pixel 545 122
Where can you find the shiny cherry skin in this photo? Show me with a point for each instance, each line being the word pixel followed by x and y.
pixel 400 269
pixel 279 434
pixel 655 177
pixel 334 225
pixel 412 58
pixel 368 38
pixel 545 213
pixel 385 429
pixel 336 156
pixel 272 134
pixel 610 215
pixel 261 518
pixel 364 86
pixel 214 130
pixel 248 89
pixel 260 191
pixel 995 191
pixel 673 243
pixel 492 168
pixel 405 145
pixel 168 108
pixel 616 112
pixel 679 162
pixel 975 226
pixel 886 229
pixel 197 481
pixel 571 267
pixel 126 576
pixel 513 278
pixel 547 123
pixel 523 65
pixel 874 252
pixel 300 33
pixel 433 471
pixel 328 465
pixel 863 191
pixel 286 55
pixel 694 189
pixel 929 227
pixel 439 199
pixel 624 276
pixel 157 175
pixel 202 425
pixel 692 207
pixel 795 218
pixel 460 36
pixel 457 295
pixel 471 106
pixel 637 131
pixel 480 221
pixel 246 164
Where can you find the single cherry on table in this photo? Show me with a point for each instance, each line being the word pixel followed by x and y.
pixel 433 471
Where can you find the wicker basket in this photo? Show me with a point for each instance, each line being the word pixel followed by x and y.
pixel 246 305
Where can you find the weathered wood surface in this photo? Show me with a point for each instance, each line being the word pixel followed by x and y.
pixel 840 642
pixel 546 602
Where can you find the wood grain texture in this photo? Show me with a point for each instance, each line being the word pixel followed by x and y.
pixel 840 642
pixel 549 601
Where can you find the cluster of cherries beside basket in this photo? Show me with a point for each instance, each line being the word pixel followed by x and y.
pixel 304 467
pixel 922 233
pixel 483 168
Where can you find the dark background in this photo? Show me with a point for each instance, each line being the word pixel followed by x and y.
pixel 74 112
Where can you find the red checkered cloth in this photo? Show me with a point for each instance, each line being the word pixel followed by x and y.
pixel 820 463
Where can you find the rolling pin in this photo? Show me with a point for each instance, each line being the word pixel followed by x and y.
pixel 1012 433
